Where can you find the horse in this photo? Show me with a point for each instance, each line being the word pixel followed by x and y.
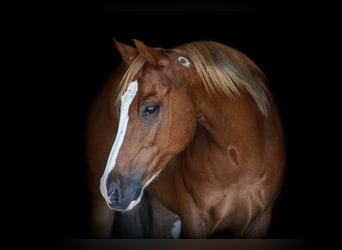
pixel 195 127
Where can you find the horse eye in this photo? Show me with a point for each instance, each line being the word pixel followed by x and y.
pixel 150 111
pixel 184 61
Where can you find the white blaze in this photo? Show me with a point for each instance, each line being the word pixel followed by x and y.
pixel 126 101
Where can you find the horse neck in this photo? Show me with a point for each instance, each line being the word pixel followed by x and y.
pixel 225 127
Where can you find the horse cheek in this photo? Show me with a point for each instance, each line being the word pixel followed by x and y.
pixel 185 124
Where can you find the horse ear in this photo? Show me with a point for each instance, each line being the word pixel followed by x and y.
pixel 128 53
pixel 152 56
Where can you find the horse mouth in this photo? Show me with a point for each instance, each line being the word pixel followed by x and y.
pixel 131 205
pixel 122 201
pixel 123 205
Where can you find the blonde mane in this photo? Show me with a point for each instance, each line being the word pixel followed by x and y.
pixel 228 71
pixel 221 68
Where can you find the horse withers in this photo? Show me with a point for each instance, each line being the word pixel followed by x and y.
pixel 194 127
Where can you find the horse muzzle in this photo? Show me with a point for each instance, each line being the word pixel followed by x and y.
pixel 124 193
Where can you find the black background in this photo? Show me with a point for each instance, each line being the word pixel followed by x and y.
pixel 81 55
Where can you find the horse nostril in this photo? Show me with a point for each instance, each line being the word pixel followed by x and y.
pixel 114 193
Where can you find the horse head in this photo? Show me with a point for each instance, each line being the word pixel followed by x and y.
pixel 157 121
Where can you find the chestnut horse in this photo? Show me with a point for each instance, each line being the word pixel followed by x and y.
pixel 195 127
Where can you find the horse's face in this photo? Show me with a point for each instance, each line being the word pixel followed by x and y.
pixel 157 121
